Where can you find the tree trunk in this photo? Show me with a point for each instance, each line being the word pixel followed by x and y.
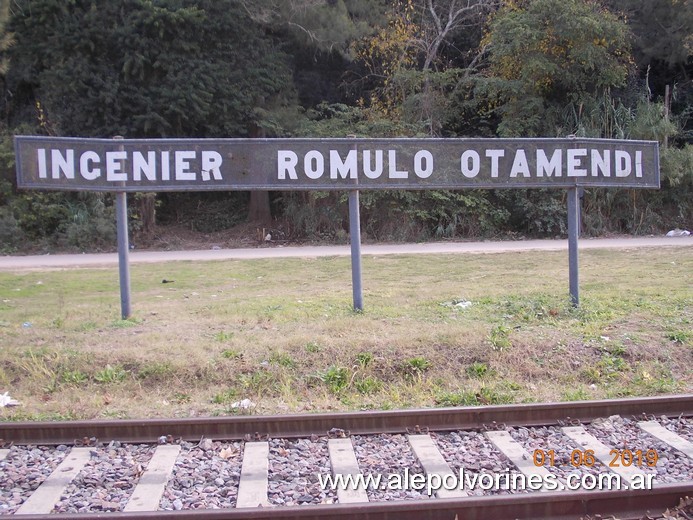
pixel 147 210
pixel 259 209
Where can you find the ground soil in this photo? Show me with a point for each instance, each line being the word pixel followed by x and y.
pixel 182 238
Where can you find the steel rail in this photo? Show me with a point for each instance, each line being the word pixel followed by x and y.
pixel 627 504
pixel 368 422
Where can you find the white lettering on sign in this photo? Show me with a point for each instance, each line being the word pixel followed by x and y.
pixel 314 164
pixel 495 156
pixel 346 169
pixel 41 163
pixel 87 168
pixel 286 165
pixel 183 172
pixel 339 166
pixel 64 164
pixel 377 170
pixel 540 163
pixel 165 166
pixel 601 163
pixel 423 164
pixel 211 165
pixel 141 166
pixel 622 163
pixel 470 164
pixel 114 165
pixel 549 167
pixel 124 166
pixel 520 165
pixel 392 162
pixel 372 164
pixel 575 162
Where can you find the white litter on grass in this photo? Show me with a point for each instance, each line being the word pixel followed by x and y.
pixel 457 304
pixel 6 400
pixel 679 233
pixel 244 404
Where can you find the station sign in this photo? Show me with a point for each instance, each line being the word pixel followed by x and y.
pixel 142 165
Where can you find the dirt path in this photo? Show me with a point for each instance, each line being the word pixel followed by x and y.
pixel 39 262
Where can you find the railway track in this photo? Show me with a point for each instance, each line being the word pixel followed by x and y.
pixel 626 458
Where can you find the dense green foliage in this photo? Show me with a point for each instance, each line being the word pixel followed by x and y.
pixel 237 68
pixel 553 57
pixel 137 69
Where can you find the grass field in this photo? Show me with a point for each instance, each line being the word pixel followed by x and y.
pixel 282 333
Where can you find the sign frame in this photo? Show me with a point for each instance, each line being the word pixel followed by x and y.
pixel 141 165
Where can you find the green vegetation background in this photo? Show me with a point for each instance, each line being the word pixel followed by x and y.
pixel 282 68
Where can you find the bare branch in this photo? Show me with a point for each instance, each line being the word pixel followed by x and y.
pixel 473 64
pixel 458 16
pixel 310 34
pixel 434 15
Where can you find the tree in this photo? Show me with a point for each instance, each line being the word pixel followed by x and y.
pixel 322 24
pixel 548 55
pixel 174 68
pixel 320 29
pixel 549 64
pixel 147 69
pixel 405 57
pixel 661 31
pixel 663 52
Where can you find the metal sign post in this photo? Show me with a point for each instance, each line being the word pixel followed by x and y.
pixel 123 253
pixel 573 234
pixel 355 234
pixel 121 201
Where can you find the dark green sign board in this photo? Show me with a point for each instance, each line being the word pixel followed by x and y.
pixel 331 164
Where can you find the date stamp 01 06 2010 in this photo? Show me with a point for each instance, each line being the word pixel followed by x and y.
pixel 624 457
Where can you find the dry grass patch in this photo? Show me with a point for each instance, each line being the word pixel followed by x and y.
pixel 282 334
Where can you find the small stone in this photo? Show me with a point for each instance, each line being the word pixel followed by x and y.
pixel 110 506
